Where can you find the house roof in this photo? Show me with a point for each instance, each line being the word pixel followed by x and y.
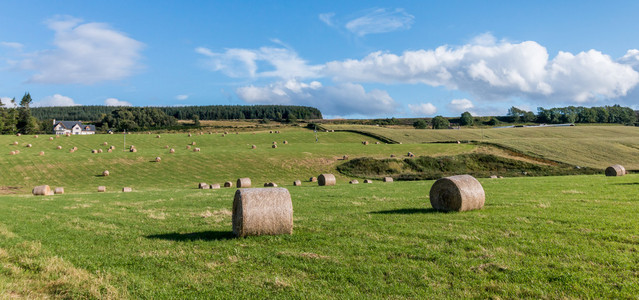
pixel 70 124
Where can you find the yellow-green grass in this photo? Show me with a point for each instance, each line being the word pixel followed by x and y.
pixel 592 146
pixel 544 237
pixel 220 159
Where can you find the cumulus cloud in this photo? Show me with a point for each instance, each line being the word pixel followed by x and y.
pixel 283 63
pixel 460 105
pixel 116 102
pixel 55 100
pixel 12 45
pixel 343 99
pixel 422 109
pixel 490 70
pixel 84 53
pixel 6 101
pixel 182 97
pixel 380 21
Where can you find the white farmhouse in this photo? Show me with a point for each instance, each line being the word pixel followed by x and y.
pixel 72 127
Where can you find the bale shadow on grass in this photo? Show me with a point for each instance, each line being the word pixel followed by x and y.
pixel 627 183
pixel 407 211
pixel 194 236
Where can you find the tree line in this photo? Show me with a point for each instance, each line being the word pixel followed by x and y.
pixel 210 112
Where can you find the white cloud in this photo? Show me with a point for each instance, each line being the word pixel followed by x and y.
pixel 55 100
pixel 182 97
pixel 460 105
pixel 342 99
pixel 327 18
pixel 12 45
pixel 85 54
pixel 491 70
pixel 116 102
pixel 422 109
pixel 631 58
pixel 380 21
pixel 6 101
pixel 283 63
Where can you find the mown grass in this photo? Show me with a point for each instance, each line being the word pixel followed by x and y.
pixel 545 237
pixel 591 146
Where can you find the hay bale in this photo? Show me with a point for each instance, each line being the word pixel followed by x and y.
pixel 202 185
pixel 126 189
pixel 615 170
pixel 297 182
pixel 253 147
pixel 270 131
pixel 368 181
pixel 41 153
pixel 493 176
pixel 157 136
pixel 166 147
pixel 189 135
pixel 158 159
pixel 94 151
pixel 270 184
pixel 365 142
pixel 15 143
pixel 100 151
pixel 19 134
pixel 392 155
pixel 192 143
pixel 377 143
pixel 101 189
pixel 228 184
pixel 188 147
pixel 196 149
pixel 313 179
pixel 71 150
pixel 262 211
pixel 274 146
pixel 68 134
pixel 12 153
pixel 410 154
pixel 110 150
pixel 388 179
pixel 274 143
pixel 285 142
pixel 172 150
pixel 51 139
pixel 214 186
pixel 243 182
pixel 354 181
pixel 226 132
pixel 105 144
pixel 59 147
pixel 29 145
pixel 133 150
pixel 35 136
pixel 41 190
pixel 58 190
pixel 457 193
pixel 326 179
pixel 345 157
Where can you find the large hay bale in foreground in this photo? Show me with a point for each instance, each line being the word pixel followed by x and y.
pixel 41 190
pixel 126 189
pixel 243 182
pixel 326 179
pixel 615 170
pixel 262 211
pixel 58 190
pixel 388 179
pixel 228 184
pixel 457 193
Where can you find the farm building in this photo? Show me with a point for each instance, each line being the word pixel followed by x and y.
pixel 72 127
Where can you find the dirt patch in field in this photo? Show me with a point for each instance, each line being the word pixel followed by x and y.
pixel 7 190
pixel 510 154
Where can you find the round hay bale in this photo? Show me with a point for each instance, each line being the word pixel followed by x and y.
pixel 410 154
pixel 243 182
pixel 35 136
pixel 392 155
pixel 188 147
pixel 202 185
pixel 157 136
pixel 189 135
pixel 41 190
pixel 368 181
pixel 75 148
pixel 50 138
pixel 101 189
pixel 41 153
pixel 192 143
pixel 228 184
pixel 105 173
pixel 345 157
pixel 166 147
pixel 158 159
pixel 19 134
pixel 270 184
pixel 71 150
pixel 377 143
pixel 615 170
pixel 270 131
pixel 262 211
pixel 105 144
pixel 313 179
pixel 388 179
pixel 226 132
pixel 365 142
pixel 59 147
pixel 172 150
pixel 196 150
pixel 126 189
pixel 12 153
pixel 94 151
pixel 110 150
pixel 457 193
pixel 297 182
pixel 274 146
pixel 133 150
pixel 326 179
pixel 100 151
pixel 15 143
pixel 253 147
pixel 29 145
pixel 458 142
pixel 285 142
pixel 67 134
pixel 214 186
pixel 274 143
pixel 354 181
pixel 58 190
pixel 493 176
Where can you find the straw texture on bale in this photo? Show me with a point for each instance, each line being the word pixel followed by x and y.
pixel 126 189
pixel 243 182
pixel 270 184
pixel 228 184
pixel 457 193
pixel 58 190
pixel 41 190
pixel 368 181
pixel 202 185
pixel 214 186
pixel 105 173
pixel 615 170
pixel 297 182
pixel 354 181
pixel 313 179
pixel 326 179
pixel 388 179
pixel 101 189
pixel 262 211
pixel 158 159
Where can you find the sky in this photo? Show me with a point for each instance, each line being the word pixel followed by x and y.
pixel 350 59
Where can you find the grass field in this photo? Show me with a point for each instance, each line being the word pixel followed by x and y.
pixel 537 237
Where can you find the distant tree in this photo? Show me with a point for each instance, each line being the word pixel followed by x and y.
pixel 26 123
pixel 466 119
pixel 420 124
pixel 196 121
pixel 440 122
pixel 493 121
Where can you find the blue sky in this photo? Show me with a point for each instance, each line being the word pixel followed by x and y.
pixel 352 59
